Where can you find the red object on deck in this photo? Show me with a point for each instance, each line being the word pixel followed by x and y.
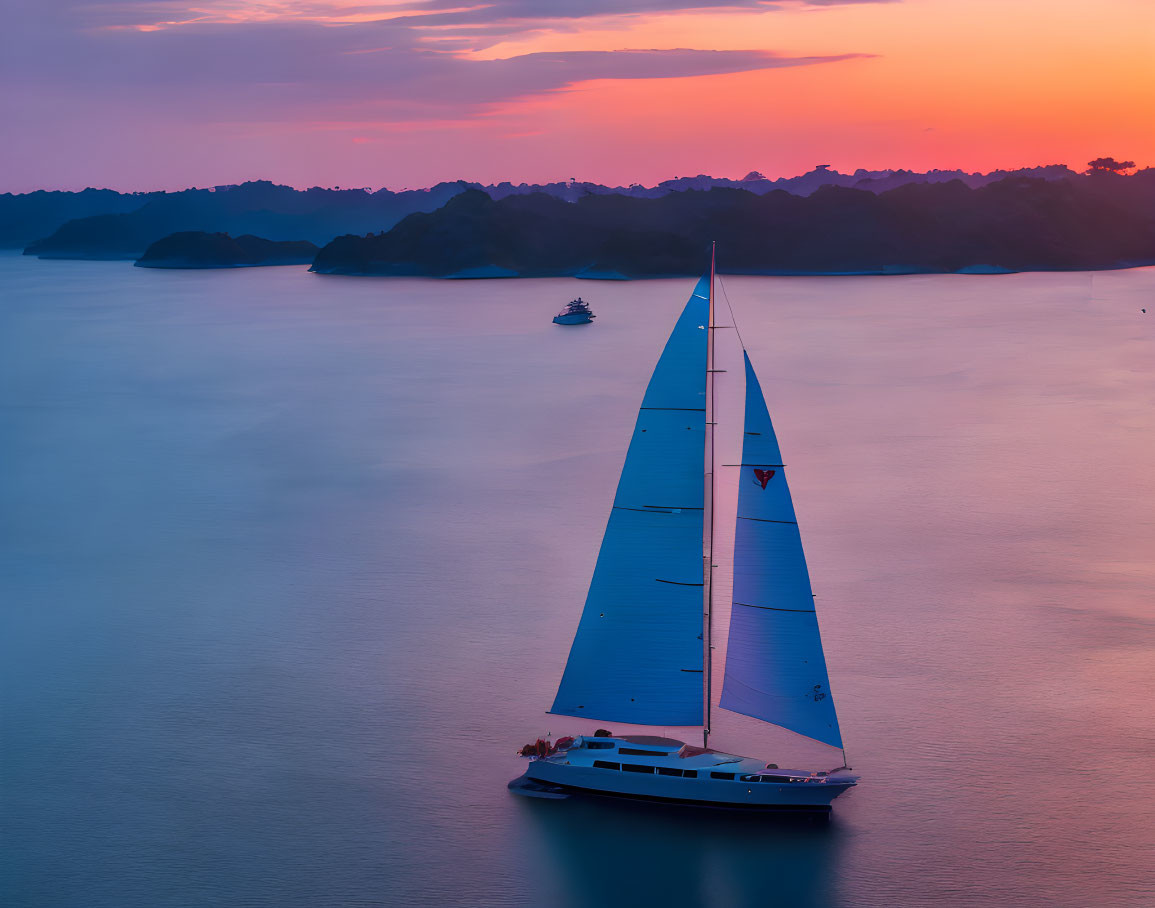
pixel 542 748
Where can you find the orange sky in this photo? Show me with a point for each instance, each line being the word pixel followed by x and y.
pixel 976 84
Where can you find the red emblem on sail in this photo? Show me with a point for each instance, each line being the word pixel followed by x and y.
pixel 763 476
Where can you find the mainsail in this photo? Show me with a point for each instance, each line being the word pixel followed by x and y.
pixel 637 655
pixel 775 668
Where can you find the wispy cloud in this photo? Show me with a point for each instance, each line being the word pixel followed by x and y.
pixel 397 60
pixel 508 14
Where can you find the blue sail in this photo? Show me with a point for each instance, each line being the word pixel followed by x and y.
pixel 637 655
pixel 775 669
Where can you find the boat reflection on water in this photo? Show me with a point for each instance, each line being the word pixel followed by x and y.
pixel 642 854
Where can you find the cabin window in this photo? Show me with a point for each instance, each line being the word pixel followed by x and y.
pixel 689 773
pixel 722 775
pixel 640 753
pixel 598 745
pixel 633 767
pixel 667 771
pixel 603 764
pixel 751 778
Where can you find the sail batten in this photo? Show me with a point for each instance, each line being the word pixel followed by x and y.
pixel 637 654
pixel 775 667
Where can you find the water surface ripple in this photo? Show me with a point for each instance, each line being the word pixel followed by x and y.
pixel 291 564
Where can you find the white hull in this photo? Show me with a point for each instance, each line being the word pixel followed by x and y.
pixel 640 768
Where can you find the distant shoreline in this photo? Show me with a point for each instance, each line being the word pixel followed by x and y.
pixel 16 253
pixel 963 272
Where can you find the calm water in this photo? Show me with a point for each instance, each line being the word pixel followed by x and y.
pixel 291 566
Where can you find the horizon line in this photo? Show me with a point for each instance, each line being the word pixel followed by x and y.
pixel 818 168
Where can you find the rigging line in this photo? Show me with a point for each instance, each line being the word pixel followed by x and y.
pixel 733 317
pixel 708 572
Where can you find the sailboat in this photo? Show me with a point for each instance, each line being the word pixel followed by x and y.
pixel 642 652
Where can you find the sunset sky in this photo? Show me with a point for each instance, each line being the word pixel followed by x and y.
pixel 163 94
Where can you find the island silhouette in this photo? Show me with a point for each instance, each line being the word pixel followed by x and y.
pixel 197 249
pixel 821 222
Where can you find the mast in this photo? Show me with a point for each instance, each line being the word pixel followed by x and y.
pixel 708 572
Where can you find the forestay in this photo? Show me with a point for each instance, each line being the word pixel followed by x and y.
pixel 637 655
pixel 775 668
